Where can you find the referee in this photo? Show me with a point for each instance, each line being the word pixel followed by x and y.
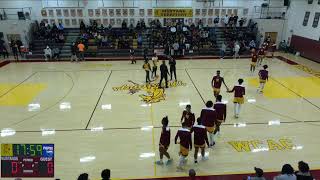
pixel 163 73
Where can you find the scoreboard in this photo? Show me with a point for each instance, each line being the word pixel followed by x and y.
pixel 27 160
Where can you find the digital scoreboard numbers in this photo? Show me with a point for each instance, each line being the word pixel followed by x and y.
pixel 27 160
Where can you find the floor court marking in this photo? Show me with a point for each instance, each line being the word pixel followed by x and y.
pixel 295 93
pixel 49 107
pixel 195 86
pixel 173 126
pixel 105 84
pixel 18 85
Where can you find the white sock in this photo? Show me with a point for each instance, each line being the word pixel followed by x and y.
pixel 181 160
pixel 211 135
pixel 239 107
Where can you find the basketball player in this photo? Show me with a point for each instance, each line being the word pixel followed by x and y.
pixel 164 142
pixel 133 60
pixel 263 76
pixel 146 66
pixel 184 136
pixel 221 110
pixel 262 54
pixel 200 140
pixel 254 58
pixel 239 92
pixel 188 117
pixel 216 84
pixel 155 65
pixel 208 118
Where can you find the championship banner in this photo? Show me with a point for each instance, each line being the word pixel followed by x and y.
pixel 173 12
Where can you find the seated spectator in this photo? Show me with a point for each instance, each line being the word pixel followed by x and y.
pixel 287 173
pixel 105 174
pixel 216 20
pixel 139 40
pixel 175 47
pixel 241 21
pixel 104 41
pixel 56 53
pixel 61 38
pixel 124 25
pixel 47 53
pixel 83 176
pixel 82 27
pixel 60 28
pixel 252 44
pixel 259 175
pixel 304 171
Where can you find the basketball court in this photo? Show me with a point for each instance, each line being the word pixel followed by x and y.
pixel 102 115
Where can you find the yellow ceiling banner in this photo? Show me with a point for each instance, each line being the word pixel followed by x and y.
pixel 173 12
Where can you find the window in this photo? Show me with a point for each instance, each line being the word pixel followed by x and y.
pixel 316 20
pixel 306 18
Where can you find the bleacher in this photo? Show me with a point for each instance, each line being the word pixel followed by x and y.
pixel 93 50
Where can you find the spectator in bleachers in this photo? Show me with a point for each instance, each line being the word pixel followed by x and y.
pixel 104 41
pixel 216 20
pixel 82 27
pixel 223 50
pixel 19 44
pixel 226 20
pixel 105 174
pixel 235 20
pixel 231 20
pixel 259 175
pixel 304 171
pixel 241 22
pixel 175 47
pixel 47 53
pixel 83 176
pixel 124 25
pixel 60 28
pixel 236 50
pixel 61 38
pixel 252 44
pixel 287 173
pixel 56 53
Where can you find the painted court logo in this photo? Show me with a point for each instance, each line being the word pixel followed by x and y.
pixel 151 92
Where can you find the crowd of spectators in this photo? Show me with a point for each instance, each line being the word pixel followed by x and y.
pixel 51 33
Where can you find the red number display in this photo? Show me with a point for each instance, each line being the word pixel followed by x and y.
pixel 50 167
pixel 14 167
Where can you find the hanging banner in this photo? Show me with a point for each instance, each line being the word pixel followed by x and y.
pixel 173 12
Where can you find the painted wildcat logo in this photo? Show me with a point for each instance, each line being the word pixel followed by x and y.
pixel 153 93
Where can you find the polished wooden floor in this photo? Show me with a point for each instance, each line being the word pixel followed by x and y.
pixel 100 115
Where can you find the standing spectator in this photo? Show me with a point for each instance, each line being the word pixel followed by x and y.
pixel 133 60
pixel 145 54
pixel 14 49
pixel 163 73
pixel 223 50
pixel 235 20
pixel 4 51
pixel 304 171
pixel 155 65
pixel 226 20
pixel 146 66
pixel 19 44
pixel 47 53
pixel 287 173
pixel 172 63
pixel 236 50
pixel 81 48
pixel 105 174
pixel 175 47
pixel 82 27
pixel 259 175
pixel 74 52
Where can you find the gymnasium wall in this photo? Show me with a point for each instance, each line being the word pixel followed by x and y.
pixel 295 18
pixel 308 48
